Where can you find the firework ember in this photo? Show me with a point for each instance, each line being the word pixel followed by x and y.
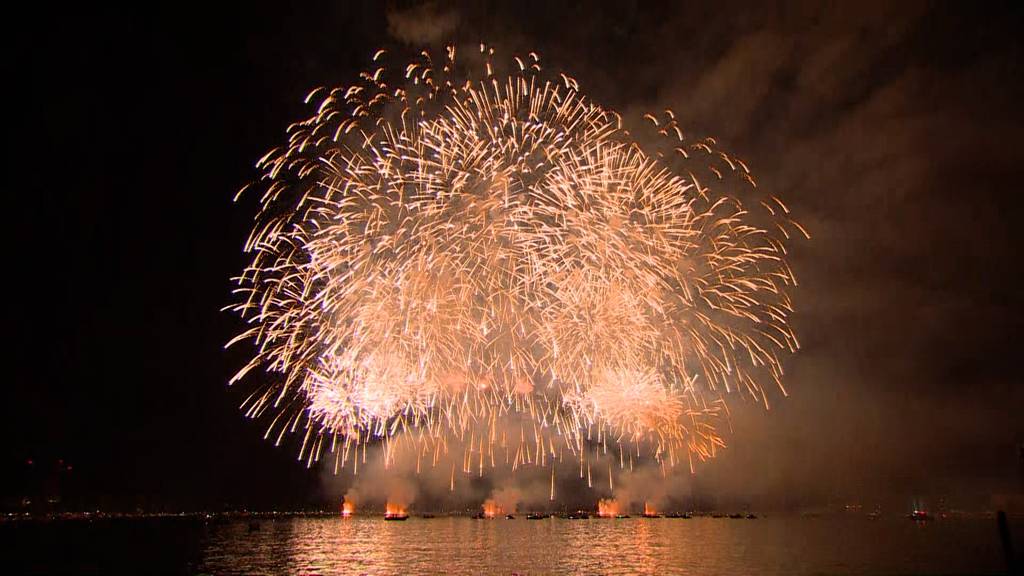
pixel 453 257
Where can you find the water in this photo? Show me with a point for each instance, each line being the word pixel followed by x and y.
pixel 368 545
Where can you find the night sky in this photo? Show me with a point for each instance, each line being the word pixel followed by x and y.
pixel 893 133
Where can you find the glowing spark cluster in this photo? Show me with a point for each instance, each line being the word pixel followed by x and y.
pixel 445 248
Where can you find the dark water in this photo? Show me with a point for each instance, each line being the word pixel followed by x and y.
pixel 781 545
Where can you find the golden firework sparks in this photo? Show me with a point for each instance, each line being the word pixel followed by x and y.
pixel 438 255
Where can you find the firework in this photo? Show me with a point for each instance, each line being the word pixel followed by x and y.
pixel 455 257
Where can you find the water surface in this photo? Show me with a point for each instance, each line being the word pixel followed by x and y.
pixel 456 545
pixel 785 545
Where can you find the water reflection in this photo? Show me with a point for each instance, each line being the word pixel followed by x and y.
pixel 367 545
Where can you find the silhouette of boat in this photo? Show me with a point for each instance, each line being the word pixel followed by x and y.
pixel 536 516
pixel 510 517
pixel 396 516
pixel 427 516
pixel 622 515
pixel 735 516
pixel 750 516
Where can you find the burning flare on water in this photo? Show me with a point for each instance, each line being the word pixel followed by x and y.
pixel 608 508
pixel 392 510
pixel 491 509
pixel 650 511
pixel 347 509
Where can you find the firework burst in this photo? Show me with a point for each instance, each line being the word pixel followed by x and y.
pixel 444 248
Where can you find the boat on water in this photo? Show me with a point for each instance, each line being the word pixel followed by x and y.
pixel 536 516
pixel 622 515
pixel 684 515
pixel 396 516
pixel 651 515
pixel 750 516
pixel 510 517
pixel 735 516
pixel 427 516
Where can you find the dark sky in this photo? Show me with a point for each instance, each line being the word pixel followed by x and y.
pixel 894 134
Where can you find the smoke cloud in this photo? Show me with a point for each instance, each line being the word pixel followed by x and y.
pixel 426 23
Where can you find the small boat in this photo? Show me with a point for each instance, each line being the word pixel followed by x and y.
pixel 717 515
pixel 578 516
pixel 622 515
pixel 396 516
pixel 427 516
pixel 651 515
pixel 509 517
pixel 750 516
pixel 735 516
pixel 684 515
pixel 536 516
pixel 479 516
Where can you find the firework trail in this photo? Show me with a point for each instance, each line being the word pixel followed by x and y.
pixel 454 259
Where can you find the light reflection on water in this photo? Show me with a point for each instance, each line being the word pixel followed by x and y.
pixel 783 545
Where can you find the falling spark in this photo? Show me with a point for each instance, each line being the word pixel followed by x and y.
pixel 552 496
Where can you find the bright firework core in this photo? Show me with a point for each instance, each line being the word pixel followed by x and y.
pixel 450 258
